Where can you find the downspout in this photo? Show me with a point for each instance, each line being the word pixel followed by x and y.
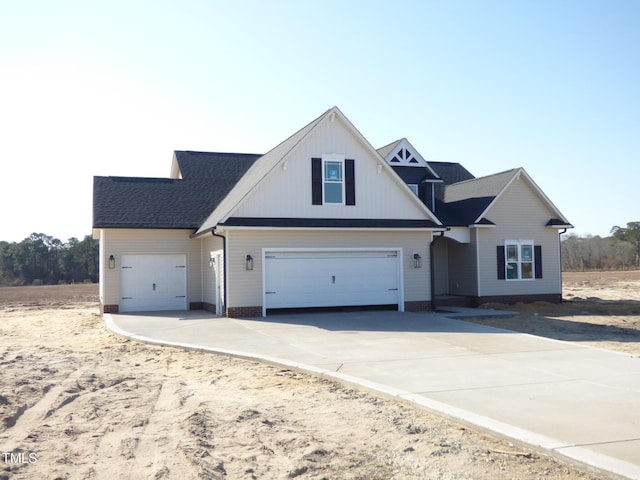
pixel 224 263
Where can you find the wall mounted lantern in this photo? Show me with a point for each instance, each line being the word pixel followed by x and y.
pixel 248 262
pixel 112 262
pixel 212 261
pixel 417 260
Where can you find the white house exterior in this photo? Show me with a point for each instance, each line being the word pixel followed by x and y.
pixel 321 220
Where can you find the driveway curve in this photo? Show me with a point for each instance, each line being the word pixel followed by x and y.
pixel 573 401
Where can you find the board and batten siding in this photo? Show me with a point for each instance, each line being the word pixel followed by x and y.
pixel 520 214
pixel 286 192
pixel 245 286
pixel 118 242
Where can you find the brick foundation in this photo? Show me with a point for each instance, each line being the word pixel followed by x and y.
pixel 419 306
pixel 196 306
pixel 511 299
pixel 209 307
pixel 244 311
pixel 108 309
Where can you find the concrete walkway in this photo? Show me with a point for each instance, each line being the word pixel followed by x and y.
pixel 574 401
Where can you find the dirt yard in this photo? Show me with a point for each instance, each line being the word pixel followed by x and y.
pixel 600 309
pixel 77 402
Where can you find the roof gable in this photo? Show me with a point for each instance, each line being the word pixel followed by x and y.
pixel 521 174
pixel 469 202
pixel 264 180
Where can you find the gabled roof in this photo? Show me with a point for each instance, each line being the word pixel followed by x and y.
pixel 467 202
pixel 131 202
pixel 402 156
pixel 269 161
pixel 489 186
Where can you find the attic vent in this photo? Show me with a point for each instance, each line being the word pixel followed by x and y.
pixel 404 156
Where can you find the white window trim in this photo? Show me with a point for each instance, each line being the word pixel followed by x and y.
pixel 333 157
pixel 520 244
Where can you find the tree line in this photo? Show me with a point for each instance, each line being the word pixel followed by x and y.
pixel 43 260
pixel 620 251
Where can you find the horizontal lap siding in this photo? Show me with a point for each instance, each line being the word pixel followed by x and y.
pixel 245 286
pixel 120 242
pixel 519 214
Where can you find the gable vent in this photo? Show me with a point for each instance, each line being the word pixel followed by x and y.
pixel 404 156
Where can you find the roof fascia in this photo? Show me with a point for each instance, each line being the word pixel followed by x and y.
pixel 388 168
pixel 330 116
pixel 516 176
pixel 223 215
pixel 339 229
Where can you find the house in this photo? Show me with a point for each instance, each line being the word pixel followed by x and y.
pixel 322 220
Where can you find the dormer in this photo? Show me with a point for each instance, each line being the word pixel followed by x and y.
pixel 407 162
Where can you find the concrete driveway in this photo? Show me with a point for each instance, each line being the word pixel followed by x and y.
pixel 579 402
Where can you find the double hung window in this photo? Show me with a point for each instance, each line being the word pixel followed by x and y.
pixel 333 181
pixel 519 260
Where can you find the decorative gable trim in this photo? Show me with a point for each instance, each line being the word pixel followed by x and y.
pixel 268 163
pixel 402 154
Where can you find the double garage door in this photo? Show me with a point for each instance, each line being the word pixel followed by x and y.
pixel 299 279
pixel 153 282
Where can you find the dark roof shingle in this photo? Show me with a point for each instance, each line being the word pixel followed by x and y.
pixel 132 202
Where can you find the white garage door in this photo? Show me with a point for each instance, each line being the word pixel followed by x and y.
pixel 329 279
pixel 153 282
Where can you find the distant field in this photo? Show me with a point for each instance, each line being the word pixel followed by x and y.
pixel 49 295
pixel 601 277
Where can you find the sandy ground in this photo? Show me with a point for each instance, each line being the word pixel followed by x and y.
pixel 601 309
pixel 77 402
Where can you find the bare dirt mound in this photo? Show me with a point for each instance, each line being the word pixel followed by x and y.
pixel 79 403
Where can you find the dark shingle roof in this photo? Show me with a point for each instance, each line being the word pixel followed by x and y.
pixel 132 202
pixel 463 202
pixel 450 173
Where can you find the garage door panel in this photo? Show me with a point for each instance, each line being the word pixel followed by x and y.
pixel 153 282
pixel 322 279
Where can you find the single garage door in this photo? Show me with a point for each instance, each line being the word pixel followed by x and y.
pixel 153 282
pixel 332 278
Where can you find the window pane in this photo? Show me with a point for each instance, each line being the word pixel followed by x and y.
pixel 333 193
pixel 512 271
pixel 414 188
pixel 527 270
pixel 527 253
pixel 333 171
pixel 512 253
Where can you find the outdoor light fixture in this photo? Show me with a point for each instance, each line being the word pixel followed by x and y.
pixel 417 260
pixel 248 262
pixel 112 261
pixel 212 262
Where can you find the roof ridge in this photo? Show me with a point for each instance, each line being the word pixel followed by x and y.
pixel 484 177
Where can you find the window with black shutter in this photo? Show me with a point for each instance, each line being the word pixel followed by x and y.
pixel 333 181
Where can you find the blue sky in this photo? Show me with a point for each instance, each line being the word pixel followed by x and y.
pixel 113 87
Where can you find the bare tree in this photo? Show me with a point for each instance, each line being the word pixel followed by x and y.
pixel 629 234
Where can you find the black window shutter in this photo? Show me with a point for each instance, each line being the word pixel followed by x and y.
pixel 316 181
pixel 350 182
pixel 537 253
pixel 501 264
